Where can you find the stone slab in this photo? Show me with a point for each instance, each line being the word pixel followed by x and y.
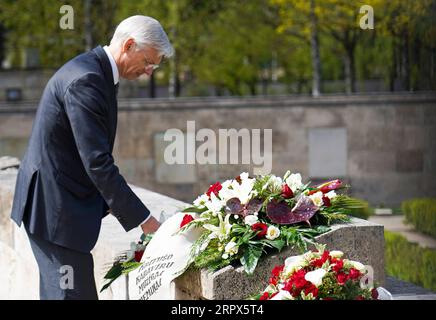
pixel 360 240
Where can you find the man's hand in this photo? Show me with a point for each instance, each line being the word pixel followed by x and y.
pixel 150 226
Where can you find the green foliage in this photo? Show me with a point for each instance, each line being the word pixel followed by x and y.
pixel 421 213
pixel 251 257
pixel 343 204
pixel 410 262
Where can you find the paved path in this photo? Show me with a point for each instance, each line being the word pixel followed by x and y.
pixel 395 223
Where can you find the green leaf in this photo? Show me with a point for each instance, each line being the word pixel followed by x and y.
pixel 114 272
pixel 251 257
pixel 194 210
pixel 278 243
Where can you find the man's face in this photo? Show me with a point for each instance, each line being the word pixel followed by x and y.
pixel 136 61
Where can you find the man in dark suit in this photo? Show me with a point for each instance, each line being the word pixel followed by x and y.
pixel 67 181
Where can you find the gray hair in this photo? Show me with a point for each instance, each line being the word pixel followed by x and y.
pixel 146 31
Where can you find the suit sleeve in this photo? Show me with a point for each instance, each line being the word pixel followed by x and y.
pixel 86 107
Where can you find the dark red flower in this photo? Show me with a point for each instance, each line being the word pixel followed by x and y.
pixel 342 277
pixel 374 294
pixel 264 296
pixel 327 298
pixel 298 280
pixel 138 255
pixel 261 229
pixel 186 219
pixel 215 188
pixel 326 201
pixel 359 298
pixel 354 274
pixel 287 192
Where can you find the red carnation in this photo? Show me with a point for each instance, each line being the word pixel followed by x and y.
pixel 275 273
pixel 138 255
pixel 354 274
pixel 261 229
pixel 311 289
pixel 264 296
pixel 320 261
pixel 342 277
pixel 186 219
pixel 287 192
pixel 215 188
pixel 338 264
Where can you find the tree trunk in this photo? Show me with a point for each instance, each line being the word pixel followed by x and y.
pixel 314 44
pixel 393 70
pixel 406 63
pixel 350 78
pixel 88 25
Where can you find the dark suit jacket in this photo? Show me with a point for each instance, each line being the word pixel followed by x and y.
pixel 67 179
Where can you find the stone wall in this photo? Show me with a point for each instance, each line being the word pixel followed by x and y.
pixel 383 145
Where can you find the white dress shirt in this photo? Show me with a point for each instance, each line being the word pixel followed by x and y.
pixel 113 65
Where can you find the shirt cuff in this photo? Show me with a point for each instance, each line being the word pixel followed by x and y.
pixel 146 219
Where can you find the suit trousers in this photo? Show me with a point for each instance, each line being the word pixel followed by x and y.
pixel 64 274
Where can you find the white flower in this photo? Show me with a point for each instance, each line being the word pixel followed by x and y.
pixel 317 198
pixel 225 256
pixel 231 248
pixel 315 276
pixel 331 194
pixel 243 191
pixel 357 265
pixel 274 184
pixel 201 201
pixel 250 219
pixel 283 295
pixel 272 233
pixel 221 231
pixel 336 254
pixel 214 204
pixel 294 181
pixel 293 263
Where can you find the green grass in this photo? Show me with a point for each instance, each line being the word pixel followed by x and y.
pixel 410 262
pixel 421 213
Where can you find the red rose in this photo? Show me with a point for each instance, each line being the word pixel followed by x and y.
pixel 261 229
pixel 287 192
pixel 326 201
pixel 354 274
pixel 374 294
pixel 215 188
pixel 342 277
pixel 264 296
pixel 186 219
pixel 138 255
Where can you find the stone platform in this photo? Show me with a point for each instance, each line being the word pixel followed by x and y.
pixel 360 240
